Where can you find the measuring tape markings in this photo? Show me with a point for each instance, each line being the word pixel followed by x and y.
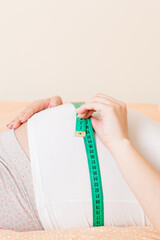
pixel 84 129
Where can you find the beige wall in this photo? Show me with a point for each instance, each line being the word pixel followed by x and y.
pixel 78 48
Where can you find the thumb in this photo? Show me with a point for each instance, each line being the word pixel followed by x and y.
pixel 55 101
pixel 97 125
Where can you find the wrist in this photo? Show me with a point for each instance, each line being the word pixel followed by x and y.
pixel 117 146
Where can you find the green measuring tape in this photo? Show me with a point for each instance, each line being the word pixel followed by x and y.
pixel 84 129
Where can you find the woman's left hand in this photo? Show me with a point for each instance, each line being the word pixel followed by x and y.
pixel 34 107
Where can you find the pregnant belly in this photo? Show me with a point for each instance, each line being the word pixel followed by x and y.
pixel 61 175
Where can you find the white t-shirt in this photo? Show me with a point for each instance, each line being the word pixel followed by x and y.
pixel 61 177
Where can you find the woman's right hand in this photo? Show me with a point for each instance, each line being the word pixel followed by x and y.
pixel 34 107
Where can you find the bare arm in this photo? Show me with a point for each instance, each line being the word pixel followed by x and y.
pixel 112 129
pixel 141 177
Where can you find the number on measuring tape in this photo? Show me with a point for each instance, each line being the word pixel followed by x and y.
pixel 84 129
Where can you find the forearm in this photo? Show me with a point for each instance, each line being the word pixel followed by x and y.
pixel 141 177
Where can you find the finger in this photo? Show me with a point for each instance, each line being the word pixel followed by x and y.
pixel 29 110
pixel 34 107
pixel 109 97
pixel 100 100
pixel 23 117
pixel 16 124
pixel 10 124
pixel 18 117
pixel 97 106
pixel 26 115
pixel 86 115
pixel 94 100
pixel 39 105
pixel 105 99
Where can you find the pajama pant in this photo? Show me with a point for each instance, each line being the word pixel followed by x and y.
pixel 17 201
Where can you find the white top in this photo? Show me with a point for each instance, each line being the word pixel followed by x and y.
pixel 61 177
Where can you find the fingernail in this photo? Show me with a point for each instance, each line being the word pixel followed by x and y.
pixel 10 125
pixel 20 118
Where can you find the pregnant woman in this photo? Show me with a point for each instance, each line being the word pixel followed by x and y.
pixel 44 176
